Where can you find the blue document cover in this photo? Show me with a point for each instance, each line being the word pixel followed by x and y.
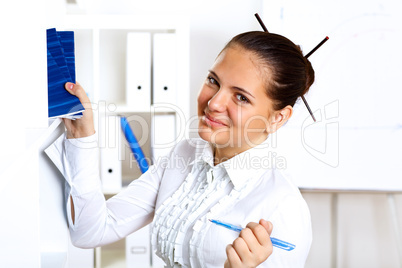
pixel 67 42
pixel 60 70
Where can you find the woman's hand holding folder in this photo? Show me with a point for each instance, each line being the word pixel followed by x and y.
pixel 84 126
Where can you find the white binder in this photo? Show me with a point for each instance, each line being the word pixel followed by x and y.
pixel 163 135
pixel 157 262
pixel 138 249
pixel 79 257
pixel 138 76
pixel 164 68
pixel 110 147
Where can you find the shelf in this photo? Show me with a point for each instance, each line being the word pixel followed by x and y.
pixel 165 22
pixel 101 64
pixel 113 258
pixel 53 259
pixel 38 136
pixel 112 255
pixel 109 194
pixel 116 109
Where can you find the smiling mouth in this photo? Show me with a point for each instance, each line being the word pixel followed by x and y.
pixel 213 122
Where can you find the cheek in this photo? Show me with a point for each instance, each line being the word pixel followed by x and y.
pixel 236 116
pixel 256 122
pixel 250 121
pixel 203 97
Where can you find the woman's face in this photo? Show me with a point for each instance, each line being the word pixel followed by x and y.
pixel 233 107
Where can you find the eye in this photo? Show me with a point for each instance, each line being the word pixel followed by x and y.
pixel 212 81
pixel 242 98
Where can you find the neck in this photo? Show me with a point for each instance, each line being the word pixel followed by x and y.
pixel 225 153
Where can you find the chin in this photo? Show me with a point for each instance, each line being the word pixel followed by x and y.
pixel 218 136
pixel 220 140
pixel 206 136
pixel 204 131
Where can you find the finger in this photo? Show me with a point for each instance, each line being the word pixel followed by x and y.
pixel 260 233
pixel 242 249
pixel 267 225
pixel 233 259
pixel 67 122
pixel 253 244
pixel 79 92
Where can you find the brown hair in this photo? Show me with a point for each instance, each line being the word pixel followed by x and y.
pixel 291 73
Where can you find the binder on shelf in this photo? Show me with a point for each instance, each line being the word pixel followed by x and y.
pixel 164 68
pixel 79 257
pixel 138 87
pixel 163 135
pixel 134 146
pixel 138 248
pixel 157 262
pixel 111 171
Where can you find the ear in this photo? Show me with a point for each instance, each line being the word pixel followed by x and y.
pixel 279 118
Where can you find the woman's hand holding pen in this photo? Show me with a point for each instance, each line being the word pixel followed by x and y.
pixel 84 126
pixel 252 247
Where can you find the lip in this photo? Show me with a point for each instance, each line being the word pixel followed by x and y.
pixel 213 121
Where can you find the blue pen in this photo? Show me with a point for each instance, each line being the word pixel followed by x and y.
pixel 275 242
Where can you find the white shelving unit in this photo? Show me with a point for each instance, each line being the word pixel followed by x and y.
pixel 100 44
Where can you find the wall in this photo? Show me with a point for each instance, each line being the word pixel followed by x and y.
pixel 22 88
pixel 212 25
pixel 366 236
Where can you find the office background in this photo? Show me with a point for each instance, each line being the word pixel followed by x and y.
pixel 350 228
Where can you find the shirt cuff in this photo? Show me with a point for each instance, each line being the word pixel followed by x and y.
pixel 78 161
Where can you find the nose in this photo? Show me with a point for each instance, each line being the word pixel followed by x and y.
pixel 219 101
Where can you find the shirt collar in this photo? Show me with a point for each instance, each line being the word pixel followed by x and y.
pixel 248 164
pixel 242 167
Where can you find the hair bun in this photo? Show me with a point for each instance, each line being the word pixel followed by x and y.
pixel 310 75
pixel 289 74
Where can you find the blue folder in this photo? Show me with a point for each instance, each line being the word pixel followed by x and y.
pixel 60 70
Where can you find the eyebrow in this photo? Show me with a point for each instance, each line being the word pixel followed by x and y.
pixel 237 88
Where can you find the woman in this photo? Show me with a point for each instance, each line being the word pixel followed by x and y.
pixel 248 95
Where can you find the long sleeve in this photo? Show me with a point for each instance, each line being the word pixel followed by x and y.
pixel 98 222
pixel 291 222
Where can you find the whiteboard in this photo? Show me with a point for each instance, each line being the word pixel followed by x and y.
pixel 356 143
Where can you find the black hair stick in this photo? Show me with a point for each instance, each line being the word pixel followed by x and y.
pixel 308 108
pixel 308 55
pixel 311 52
pixel 316 47
pixel 261 23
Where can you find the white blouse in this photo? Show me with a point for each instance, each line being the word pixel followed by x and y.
pixel 179 194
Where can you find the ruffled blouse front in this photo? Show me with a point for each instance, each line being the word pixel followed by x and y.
pixel 180 199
